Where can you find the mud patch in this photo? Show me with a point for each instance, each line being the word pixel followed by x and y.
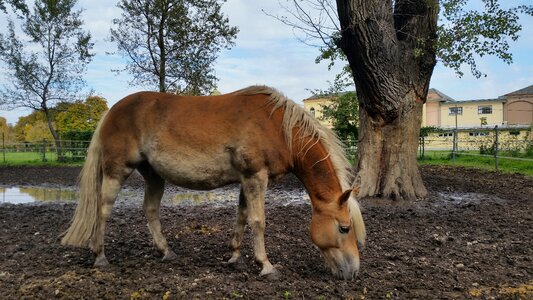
pixel 430 249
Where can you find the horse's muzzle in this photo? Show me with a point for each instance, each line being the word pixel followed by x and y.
pixel 343 265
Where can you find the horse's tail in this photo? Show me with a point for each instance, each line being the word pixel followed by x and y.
pixel 86 218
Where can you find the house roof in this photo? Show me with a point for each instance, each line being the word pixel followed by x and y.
pixel 326 96
pixel 443 96
pixel 474 100
pixel 525 91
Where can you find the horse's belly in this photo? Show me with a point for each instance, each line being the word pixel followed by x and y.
pixel 200 172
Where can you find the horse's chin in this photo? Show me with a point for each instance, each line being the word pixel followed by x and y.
pixel 344 266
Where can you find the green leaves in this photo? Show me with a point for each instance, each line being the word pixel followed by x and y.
pixel 343 115
pixel 172 45
pixel 465 35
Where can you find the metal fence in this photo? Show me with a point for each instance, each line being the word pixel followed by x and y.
pixel 488 143
pixel 43 151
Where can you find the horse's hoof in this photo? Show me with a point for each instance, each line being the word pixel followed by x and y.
pixel 237 263
pixel 272 276
pixel 169 256
pixel 101 262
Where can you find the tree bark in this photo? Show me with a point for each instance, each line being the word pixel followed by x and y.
pixel 386 156
pixel 54 133
pixel 391 50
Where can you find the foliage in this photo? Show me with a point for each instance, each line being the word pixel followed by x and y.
pixel 343 115
pixel 426 130
pixel 172 45
pixel 19 5
pixel 466 34
pixel 74 121
pixel 3 126
pixel 46 66
pixel 81 116
pixel 30 128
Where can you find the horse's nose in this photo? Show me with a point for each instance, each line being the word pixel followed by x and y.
pixel 346 268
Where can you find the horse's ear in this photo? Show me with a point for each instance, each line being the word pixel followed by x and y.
pixel 345 196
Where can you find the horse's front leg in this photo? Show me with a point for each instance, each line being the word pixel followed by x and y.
pixel 254 188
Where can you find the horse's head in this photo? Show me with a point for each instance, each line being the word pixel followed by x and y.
pixel 336 227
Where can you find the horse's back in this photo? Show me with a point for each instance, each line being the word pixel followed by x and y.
pixel 198 142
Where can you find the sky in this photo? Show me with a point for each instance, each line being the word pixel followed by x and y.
pixel 268 52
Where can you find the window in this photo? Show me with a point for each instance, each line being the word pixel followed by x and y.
pixel 480 133
pixel 455 111
pixel 312 111
pixel 446 134
pixel 484 110
pixel 514 132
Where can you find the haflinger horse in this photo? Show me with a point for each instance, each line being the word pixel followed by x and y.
pixel 204 142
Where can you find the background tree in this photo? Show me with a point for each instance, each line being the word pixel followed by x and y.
pixel 81 116
pixel 19 5
pixel 6 131
pixel 25 124
pixel 343 115
pixel 171 45
pixel 47 67
pixel 392 48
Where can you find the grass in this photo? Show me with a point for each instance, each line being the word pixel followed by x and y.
pixel 468 159
pixel 33 159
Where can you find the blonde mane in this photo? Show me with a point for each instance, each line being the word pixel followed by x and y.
pixel 308 126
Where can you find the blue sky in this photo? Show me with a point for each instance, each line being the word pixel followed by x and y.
pixel 267 52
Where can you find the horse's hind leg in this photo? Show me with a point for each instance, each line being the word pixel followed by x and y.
pixel 153 192
pixel 110 189
pixel 236 241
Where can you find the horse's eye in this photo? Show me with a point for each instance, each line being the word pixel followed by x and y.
pixel 344 229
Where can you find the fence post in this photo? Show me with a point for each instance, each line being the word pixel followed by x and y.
pixel 454 149
pixel 4 147
pixel 423 146
pixel 44 150
pixel 496 144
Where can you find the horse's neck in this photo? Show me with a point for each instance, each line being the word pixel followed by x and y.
pixel 315 169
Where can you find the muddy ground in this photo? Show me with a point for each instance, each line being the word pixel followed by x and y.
pixel 471 238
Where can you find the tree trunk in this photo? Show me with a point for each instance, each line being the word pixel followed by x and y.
pixel 386 156
pixel 55 135
pixel 390 46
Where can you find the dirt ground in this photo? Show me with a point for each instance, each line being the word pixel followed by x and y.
pixel 472 238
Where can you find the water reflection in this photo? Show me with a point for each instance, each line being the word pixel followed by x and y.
pixel 18 195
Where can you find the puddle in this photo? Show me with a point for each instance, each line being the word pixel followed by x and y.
pixel 467 198
pixel 218 197
pixel 193 198
pixel 18 195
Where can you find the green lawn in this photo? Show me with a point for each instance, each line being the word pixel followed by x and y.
pixel 31 159
pixel 481 162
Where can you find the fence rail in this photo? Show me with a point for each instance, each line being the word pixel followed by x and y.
pixel 45 151
pixel 486 145
pixel 489 144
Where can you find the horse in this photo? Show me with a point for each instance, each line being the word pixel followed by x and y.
pixel 249 136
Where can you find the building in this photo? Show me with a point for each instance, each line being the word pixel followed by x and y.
pixel 518 108
pixel 514 110
pixel 314 106
pixel 474 120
